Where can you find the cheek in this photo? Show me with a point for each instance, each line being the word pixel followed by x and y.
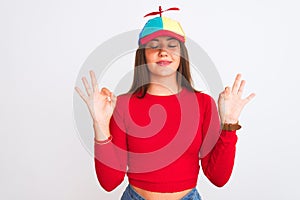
pixel 176 58
pixel 175 54
pixel 150 55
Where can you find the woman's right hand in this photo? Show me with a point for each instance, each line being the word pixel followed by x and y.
pixel 100 104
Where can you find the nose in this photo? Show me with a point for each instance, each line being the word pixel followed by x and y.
pixel 163 52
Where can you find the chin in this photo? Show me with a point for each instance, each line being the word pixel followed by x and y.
pixel 165 74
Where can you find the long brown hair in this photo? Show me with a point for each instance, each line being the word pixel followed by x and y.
pixel 141 77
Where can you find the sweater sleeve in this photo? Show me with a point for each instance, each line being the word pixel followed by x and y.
pixel 111 158
pixel 218 147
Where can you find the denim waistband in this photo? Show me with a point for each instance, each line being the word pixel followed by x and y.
pixel 131 194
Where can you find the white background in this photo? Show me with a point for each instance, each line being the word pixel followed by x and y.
pixel 44 43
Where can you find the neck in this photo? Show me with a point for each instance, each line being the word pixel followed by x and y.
pixel 163 86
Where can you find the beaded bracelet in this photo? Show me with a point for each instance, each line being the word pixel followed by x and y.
pixel 103 141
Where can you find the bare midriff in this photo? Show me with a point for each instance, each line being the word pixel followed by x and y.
pixel 148 195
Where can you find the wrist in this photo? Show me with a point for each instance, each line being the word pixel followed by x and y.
pixel 102 137
pixel 228 120
pixel 101 131
pixel 101 123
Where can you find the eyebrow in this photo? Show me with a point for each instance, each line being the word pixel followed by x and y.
pixel 170 38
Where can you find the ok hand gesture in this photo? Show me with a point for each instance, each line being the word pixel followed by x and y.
pixel 230 101
pixel 100 104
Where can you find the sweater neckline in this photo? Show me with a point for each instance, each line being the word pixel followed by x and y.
pixel 180 93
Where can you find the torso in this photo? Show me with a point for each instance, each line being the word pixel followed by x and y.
pixel 181 166
pixel 148 195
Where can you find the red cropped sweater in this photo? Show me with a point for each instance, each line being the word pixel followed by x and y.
pixel 159 140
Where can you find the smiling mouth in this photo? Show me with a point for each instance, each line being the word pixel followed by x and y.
pixel 164 63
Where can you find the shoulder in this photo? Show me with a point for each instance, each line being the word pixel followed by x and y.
pixel 204 100
pixel 202 96
pixel 124 99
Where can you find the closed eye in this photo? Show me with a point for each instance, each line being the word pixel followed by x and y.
pixel 154 47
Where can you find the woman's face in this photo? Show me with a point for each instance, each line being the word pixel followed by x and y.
pixel 163 56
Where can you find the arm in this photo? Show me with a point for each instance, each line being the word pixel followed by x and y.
pixel 218 163
pixel 218 147
pixel 110 161
pixel 111 158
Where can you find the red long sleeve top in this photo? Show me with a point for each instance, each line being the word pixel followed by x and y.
pixel 159 140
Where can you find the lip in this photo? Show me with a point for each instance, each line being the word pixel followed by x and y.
pixel 163 62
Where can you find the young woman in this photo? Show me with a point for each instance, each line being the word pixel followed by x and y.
pixel 158 131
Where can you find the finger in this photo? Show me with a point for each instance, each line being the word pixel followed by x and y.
pixel 105 92
pixel 114 100
pixel 221 98
pixel 241 88
pixel 222 94
pixel 86 85
pixel 112 96
pixel 94 82
pixel 227 91
pixel 236 84
pixel 108 98
pixel 81 94
pixel 249 98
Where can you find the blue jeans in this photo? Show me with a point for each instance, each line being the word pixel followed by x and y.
pixel 131 194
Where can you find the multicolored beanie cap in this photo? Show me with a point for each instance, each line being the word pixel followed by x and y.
pixel 161 26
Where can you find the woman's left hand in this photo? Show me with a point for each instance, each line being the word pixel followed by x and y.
pixel 230 101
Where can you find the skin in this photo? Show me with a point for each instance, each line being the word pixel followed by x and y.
pixel 101 103
pixel 163 78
